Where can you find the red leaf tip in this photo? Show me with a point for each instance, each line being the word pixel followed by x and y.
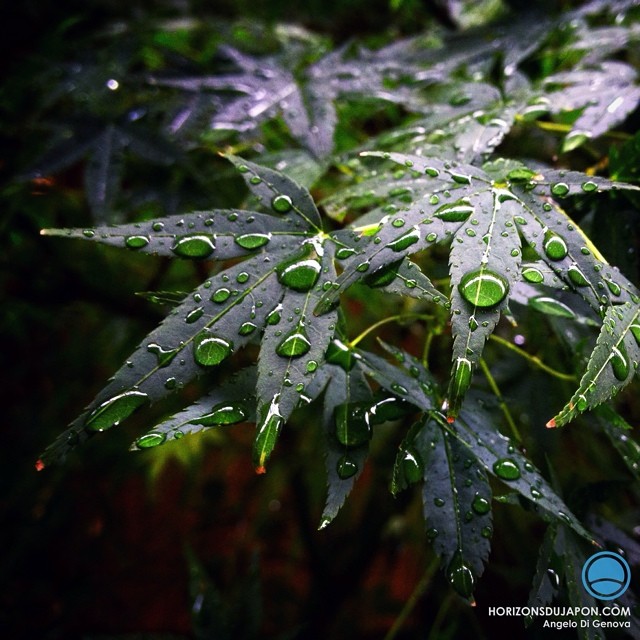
pixel 39 465
pixel 451 419
pixel 551 424
pixel 261 470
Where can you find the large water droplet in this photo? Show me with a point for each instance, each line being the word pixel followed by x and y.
pixel 554 246
pixel 483 288
pixel 577 277
pixel 111 412
pixel 252 240
pixel 456 212
pixel 299 275
pixel 220 295
pixel 151 439
pixel 282 204
pixel 506 469
pixel 352 426
pixel 551 307
pixel 210 350
pixel 247 328
pixel 294 345
pixel 620 361
pixel 405 241
pixel 136 242
pixel 560 189
pixel 461 576
pixel 531 274
pixel 222 414
pixel 411 465
pixel 196 246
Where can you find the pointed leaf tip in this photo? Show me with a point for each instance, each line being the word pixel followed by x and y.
pixel 261 470
pixel 39 465
pixel 552 424
pixel 451 419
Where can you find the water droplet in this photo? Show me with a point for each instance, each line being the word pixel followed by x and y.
pixel 299 275
pixel 411 466
pixel 383 276
pixel 281 204
pixel 136 242
pixel 164 356
pixel 520 174
pixel 432 237
pixel 247 328
pixel 112 411
pixel 506 469
pixel 432 172
pixel 486 532
pixel 194 315
pixel 551 307
pixel 461 378
pixel 220 295
pixel 471 233
pixel 614 287
pixel 312 366
pixel 339 354
pixel 589 186
pixel 473 323
pixel 560 189
pixel 461 576
pixel 456 212
pixel 210 350
pixel 531 274
pixel 620 361
pixel 151 439
pixel 554 246
pixel 242 168
pixel 252 240
pixel 480 505
pixel 242 277
pixel 577 277
pixel 294 345
pixel 170 384
pixel 432 533
pixel 274 317
pixel 344 252
pixel 222 414
pixel 398 223
pixel 398 388
pixel 255 179
pixel 352 425
pixel 405 241
pixel 483 288
pixel 460 178
pixel 439 502
pixel 88 233
pixel 346 468
pixel 535 494
pixel 196 246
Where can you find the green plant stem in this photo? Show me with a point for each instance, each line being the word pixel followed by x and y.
pixel 534 360
pixel 411 603
pixel 503 405
pixel 373 327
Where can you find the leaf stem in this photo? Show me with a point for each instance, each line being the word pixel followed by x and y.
pixel 503 405
pixel 373 327
pixel 534 360
pixel 411 603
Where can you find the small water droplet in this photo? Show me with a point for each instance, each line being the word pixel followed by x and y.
pixel 312 366
pixel 194 315
pixel 506 469
pixel 344 252
pixel 164 356
pixel 281 204
pixel 247 328
pixel 220 295
pixel 589 186
pixel 560 189
pixel 432 237
pixel 242 277
pixel 480 504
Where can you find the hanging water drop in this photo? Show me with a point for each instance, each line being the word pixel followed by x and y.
pixel 461 576
pixel 483 287
pixel 352 426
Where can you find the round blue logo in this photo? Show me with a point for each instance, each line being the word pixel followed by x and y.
pixel 606 575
